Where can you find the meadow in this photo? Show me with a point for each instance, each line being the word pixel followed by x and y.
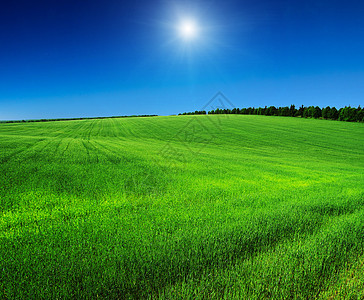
pixel 182 207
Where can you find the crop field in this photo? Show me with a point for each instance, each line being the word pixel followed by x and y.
pixel 182 207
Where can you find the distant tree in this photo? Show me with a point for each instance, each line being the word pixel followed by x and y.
pixel 285 111
pixel 317 112
pixel 325 112
pixel 342 113
pixel 264 110
pixel 314 112
pixel 351 114
pixel 299 112
pixel 306 112
pixel 292 110
pixel 333 114
pixel 360 114
pixel 347 114
pixel 271 111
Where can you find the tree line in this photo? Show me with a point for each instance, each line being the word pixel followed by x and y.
pixel 75 119
pixel 347 113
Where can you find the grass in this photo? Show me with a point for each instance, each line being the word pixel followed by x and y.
pixel 182 207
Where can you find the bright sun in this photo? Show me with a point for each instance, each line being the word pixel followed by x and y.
pixel 188 29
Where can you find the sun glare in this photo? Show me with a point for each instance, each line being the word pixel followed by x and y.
pixel 188 29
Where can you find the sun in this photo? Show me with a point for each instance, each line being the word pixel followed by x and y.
pixel 188 29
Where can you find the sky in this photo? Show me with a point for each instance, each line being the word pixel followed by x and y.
pixel 63 59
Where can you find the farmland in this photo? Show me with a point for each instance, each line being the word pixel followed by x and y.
pixel 182 207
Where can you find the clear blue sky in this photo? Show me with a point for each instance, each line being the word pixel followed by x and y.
pixel 102 58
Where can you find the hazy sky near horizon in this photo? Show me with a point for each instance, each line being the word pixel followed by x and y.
pixel 103 58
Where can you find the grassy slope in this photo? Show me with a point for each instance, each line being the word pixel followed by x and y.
pixel 191 206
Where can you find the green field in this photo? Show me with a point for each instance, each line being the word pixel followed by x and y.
pixel 182 207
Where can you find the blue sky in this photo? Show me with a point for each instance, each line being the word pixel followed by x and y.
pixel 104 58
